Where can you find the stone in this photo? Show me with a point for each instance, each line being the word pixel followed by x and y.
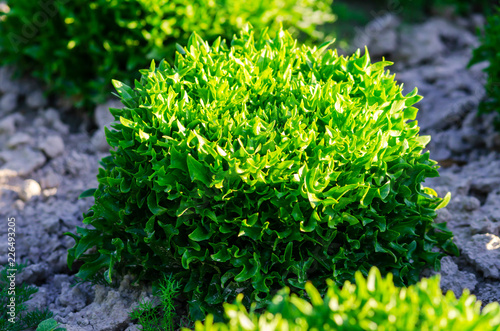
pixel 489 293
pixel 485 185
pixel 477 21
pixel 466 203
pixel 103 118
pixel 452 112
pixel 71 296
pixel 29 189
pixel 18 139
pixel 493 141
pixel 102 115
pixel 483 224
pixel 110 308
pixel 421 43
pixel 379 35
pixel 38 300
pixel 456 143
pixel 8 102
pixel 483 251
pixel 8 124
pixel 52 146
pixel 443 215
pixel 492 206
pixel 455 280
pixel 36 99
pixel 23 161
pixel 7 84
pixel 50 223
pixel 50 180
pixel 99 141
pixel 34 273
pixel 52 120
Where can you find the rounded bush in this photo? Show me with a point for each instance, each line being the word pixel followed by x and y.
pixel 371 304
pixel 263 165
pixel 76 47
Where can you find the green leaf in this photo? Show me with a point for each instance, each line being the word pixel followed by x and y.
pixel 87 193
pixel 197 171
pixel 49 325
pixel 445 201
pixel 126 92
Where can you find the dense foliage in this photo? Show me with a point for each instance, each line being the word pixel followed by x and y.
pixel 489 50
pixel 77 47
pixel 371 304
pixel 262 165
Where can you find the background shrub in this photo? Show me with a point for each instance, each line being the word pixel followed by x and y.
pixel 489 50
pixel 266 164
pixel 371 304
pixel 77 47
pixel 416 10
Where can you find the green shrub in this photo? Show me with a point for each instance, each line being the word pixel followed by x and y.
pixel 489 50
pixel 77 47
pixel 371 304
pixel 262 165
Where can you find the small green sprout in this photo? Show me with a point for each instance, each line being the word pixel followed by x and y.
pixel 161 317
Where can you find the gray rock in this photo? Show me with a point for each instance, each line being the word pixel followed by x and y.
pixel 18 139
pixel 456 143
pixel 38 300
pixel 76 163
pixel 483 251
pixel 59 280
pixel 379 35
pixel 454 37
pixel 492 206
pixel 485 184
pixel 455 280
pixel 443 215
pixel 8 124
pixel 472 136
pixel 8 102
pixel 51 119
pixel 29 189
pixel 421 42
pixel 7 84
pixel 465 203
pixel 110 308
pixel 102 115
pixel 36 99
pixel 72 297
pixel 99 141
pixel 50 223
pixel 34 272
pixel 52 146
pixel 481 224
pixel 103 118
pixel 493 141
pixel 489 293
pixel 446 113
pixel 50 180
pixel 23 161
pixel 477 21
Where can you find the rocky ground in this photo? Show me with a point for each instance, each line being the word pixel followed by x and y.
pixel 48 157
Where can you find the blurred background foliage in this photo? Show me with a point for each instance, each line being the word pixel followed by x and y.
pixel 76 47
